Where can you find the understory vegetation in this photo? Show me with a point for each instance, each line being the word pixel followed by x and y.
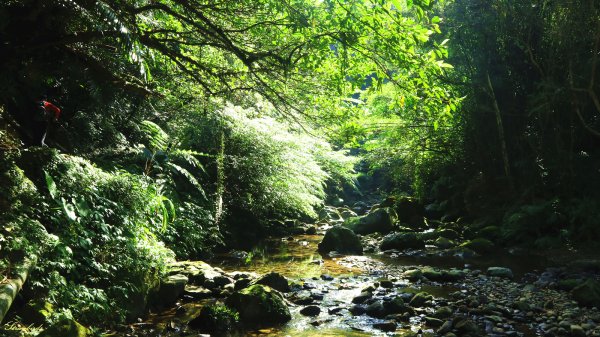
pixel 194 127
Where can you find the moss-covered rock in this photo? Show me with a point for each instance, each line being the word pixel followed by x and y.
pixel 410 211
pixel 380 220
pixel 402 241
pixel 341 240
pixel 587 293
pixel 215 319
pixel 500 272
pixel 275 281
pixel 479 245
pixel 171 288
pixel 259 306
pixel 66 328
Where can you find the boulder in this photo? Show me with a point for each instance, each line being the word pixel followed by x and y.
pixel 410 211
pixel 342 240
pixel 259 306
pixel 419 299
pixel 380 220
pixel 330 214
pixel 500 272
pixel 587 294
pixel 197 272
pixel 376 309
pixel 66 328
pixel 402 241
pixel 311 310
pixel 275 281
pixel 215 319
pixel 444 243
pixel 346 213
pixel 171 288
pixel 479 245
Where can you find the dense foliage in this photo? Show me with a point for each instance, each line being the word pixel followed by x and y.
pixel 190 126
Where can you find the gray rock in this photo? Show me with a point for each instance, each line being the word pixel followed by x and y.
pixel 380 220
pixel 500 272
pixel 341 240
pixel 402 241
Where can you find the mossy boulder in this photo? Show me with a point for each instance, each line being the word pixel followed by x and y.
pixel 500 272
pixel 444 243
pixel 275 281
pixel 215 319
pixel 587 293
pixel 171 288
pixel 402 241
pixel 66 328
pixel 480 245
pixel 259 306
pixel 410 211
pixel 341 240
pixel 380 220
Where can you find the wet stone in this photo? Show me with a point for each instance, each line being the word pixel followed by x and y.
pixel 387 326
pixel 363 297
pixel 311 310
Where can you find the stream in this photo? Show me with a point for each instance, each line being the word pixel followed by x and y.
pixel 335 280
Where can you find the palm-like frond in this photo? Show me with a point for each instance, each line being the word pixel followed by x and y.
pixel 157 138
pixel 189 176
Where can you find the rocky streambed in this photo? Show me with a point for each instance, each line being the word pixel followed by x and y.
pixel 285 288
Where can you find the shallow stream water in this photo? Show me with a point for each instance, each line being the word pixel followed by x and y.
pixel 297 258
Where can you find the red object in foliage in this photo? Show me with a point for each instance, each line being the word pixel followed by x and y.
pixel 52 108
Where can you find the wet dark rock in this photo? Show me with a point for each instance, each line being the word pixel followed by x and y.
pixel 587 294
pixel 445 328
pixel 444 243
pixel 419 299
pixel 466 326
pixel 385 283
pixel 311 230
pixel 362 298
pixel 387 326
pixel 342 240
pixel 480 245
pixel 214 319
pixel 500 272
pixel 275 281
pixel 433 322
pixel 413 275
pixel 357 310
pixel 242 283
pixel 380 220
pixel 259 306
pixel 376 309
pixel 301 297
pixel 443 313
pixel 396 306
pixel 402 241
pixel 311 310
pixel 410 211
pixel 330 214
pixel 326 277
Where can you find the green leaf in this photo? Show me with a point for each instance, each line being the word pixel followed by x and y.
pixel 51 185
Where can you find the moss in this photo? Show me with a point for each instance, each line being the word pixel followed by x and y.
pixel 66 328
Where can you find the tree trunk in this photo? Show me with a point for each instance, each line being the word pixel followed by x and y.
pixel 11 287
pixel 500 127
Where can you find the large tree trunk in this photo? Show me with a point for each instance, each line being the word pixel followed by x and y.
pixel 11 287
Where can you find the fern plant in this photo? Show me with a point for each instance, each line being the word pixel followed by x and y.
pixel 164 160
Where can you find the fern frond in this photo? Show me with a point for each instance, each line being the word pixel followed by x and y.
pixel 157 138
pixel 191 179
pixel 189 156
